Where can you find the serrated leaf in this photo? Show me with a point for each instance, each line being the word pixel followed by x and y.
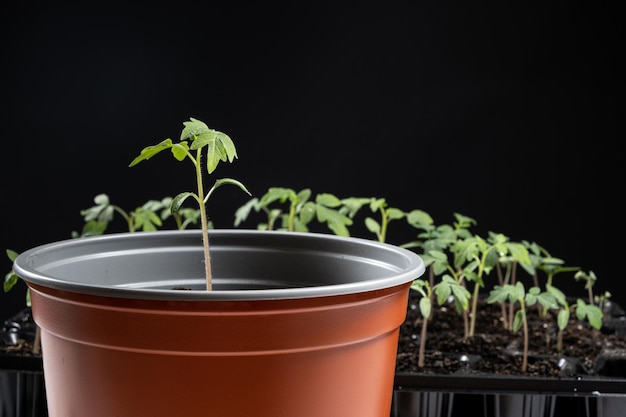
pixel 203 139
pixel 277 194
pixel 352 205
pixel 219 148
pixel 377 203
pixel 244 211
pixel 147 220
pixel 192 128
pixel 327 200
pixel 519 253
pixel 335 220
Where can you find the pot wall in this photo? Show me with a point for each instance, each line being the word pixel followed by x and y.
pixel 271 358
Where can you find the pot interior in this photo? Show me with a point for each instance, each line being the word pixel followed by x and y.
pixel 246 264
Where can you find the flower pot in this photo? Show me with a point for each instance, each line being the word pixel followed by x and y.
pixel 297 324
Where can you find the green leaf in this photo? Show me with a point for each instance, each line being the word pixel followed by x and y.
pixel 334 219
pixel 327 200
pixel 372 225
pixel 547 300
pixel 377 204
pixel 499 294
pixel 557 294
pixel 519 291
pixel 594 316
pixel 11 254
pixel 394 214
pixel 463 222
pixel 443 291
pixel 278 194
pixel 420 285
pixel 225 181
pixel 193 127
pixel 180 199
pixel 94 228
pixel 203 139
pixel 352 205
pixel 519 253
pixel 149 151
pixel 307 212
pixel 562 319
pixel 190 216
pixel 519 320
pixel 103 211
pixel 146 220
pixel 180 151
pixel 425 307
pixel 419 218
pixel 244 211
pixel 592 312
pixel 10 279
pixel 219 148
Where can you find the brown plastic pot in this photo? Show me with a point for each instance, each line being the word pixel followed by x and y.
pixel 297 324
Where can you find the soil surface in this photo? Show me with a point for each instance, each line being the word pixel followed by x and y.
pixel 493 349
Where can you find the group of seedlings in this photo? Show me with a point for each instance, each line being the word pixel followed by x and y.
pixel 462 265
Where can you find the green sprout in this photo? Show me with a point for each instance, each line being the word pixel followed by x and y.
pixel 195 137
pixel 583 311
pixel 148 217
pixel 516 293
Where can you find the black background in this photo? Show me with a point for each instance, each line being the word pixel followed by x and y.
pixel 502 112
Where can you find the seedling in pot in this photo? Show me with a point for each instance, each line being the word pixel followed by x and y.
pixel 377 205
pixel 195 138
pixel 583 311
pixel 478 257
pixel 516 293
pixel 590 280
pixel 447 287
pixel 542 260
pixel 148 217
pixel 301 211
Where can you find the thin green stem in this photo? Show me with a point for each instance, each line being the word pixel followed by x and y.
pixel 129 220
pixel 383 225
pixel 525 331
pixel 292 215
pixel 481 268
pixel 203 219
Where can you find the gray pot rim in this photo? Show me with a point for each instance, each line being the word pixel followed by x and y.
pixel 382 265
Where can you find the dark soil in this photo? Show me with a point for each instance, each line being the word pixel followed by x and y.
pixel 17 335
pixel 493 349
